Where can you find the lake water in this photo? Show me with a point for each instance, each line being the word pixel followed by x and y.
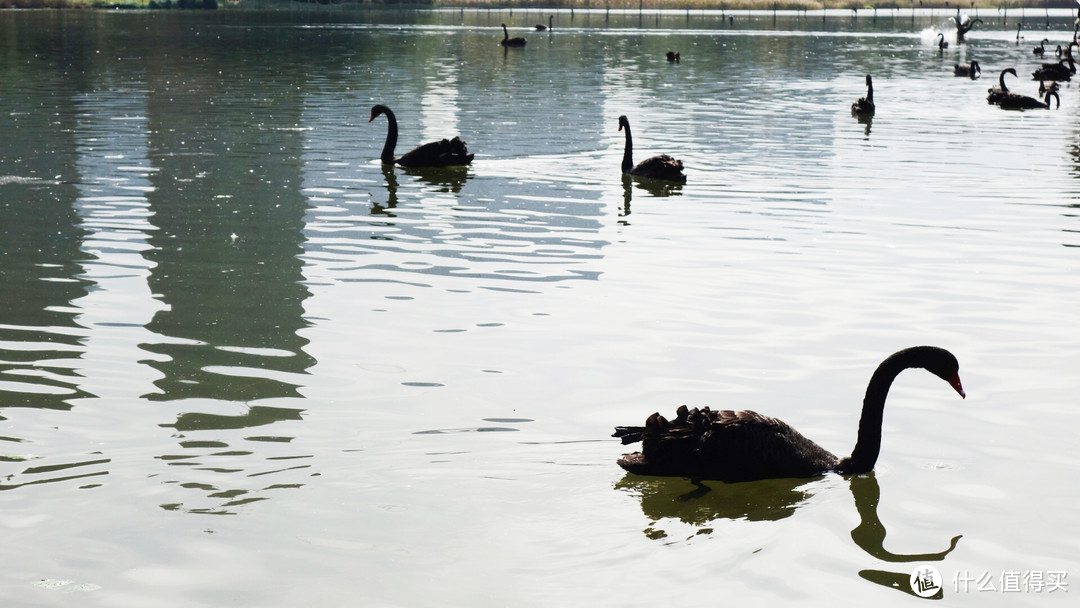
pixel 242 364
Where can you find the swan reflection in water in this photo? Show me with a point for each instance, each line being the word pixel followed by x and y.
pixel 700 505
pixel 441 179
pixel 655 187
pixel 866 120
pixel 869 535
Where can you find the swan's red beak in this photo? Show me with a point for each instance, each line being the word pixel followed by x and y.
pixel 955 383
pixel 372 118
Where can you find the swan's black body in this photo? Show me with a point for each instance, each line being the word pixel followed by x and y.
pixel 1015 101
pixel 658 167
pixel 1062 70
pixel 865 105
pixel 442 153
pixel 541 28
pixel 673 57
pixel 972 71
pixel 508 41
pixel 725 445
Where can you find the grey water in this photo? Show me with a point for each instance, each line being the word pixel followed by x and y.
pixel 244 364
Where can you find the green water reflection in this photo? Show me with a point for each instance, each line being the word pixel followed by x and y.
pixel 702 506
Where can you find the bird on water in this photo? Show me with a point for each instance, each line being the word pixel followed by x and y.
pixel 508 41
pixel 865 105
pixel 730 446
pixel 972 71
pixel 442 153
pixel 662 167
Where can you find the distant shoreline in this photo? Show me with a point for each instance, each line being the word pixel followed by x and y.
pixel 740 5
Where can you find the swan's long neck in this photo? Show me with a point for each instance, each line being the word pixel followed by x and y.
pixel 628 151
pixel 868 444
pixel 870 92
pixel 391 139
pixel 506 34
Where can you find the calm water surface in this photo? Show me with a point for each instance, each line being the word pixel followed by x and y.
pixel 243 364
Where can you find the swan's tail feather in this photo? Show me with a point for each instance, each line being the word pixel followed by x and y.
pixel 629 434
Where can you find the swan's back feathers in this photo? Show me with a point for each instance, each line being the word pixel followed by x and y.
pixel 722 445
pixel 442 153
pixel 660 167
pixel 1054 71
pixel 1015 101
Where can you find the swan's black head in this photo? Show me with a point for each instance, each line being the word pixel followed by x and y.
pixel 378 110
pixel 937 361
pixel 868 81
pixel 623 122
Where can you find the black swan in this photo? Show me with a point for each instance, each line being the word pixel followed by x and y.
pixel 1040 50
pixel 508 41
pixel 1062 70
pixel 971 71
pixel 1016 101
pixel 658 167
pixel 865 105
pixel 541 28
pixel 444 153
pixel 1018 36
pixel 964 24
pixel 732 446
pixel 998 93
pixel 941 44
pixel 673 56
